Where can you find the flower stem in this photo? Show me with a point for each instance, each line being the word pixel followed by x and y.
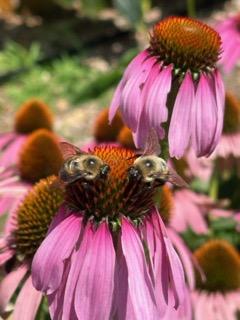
pixel 191 8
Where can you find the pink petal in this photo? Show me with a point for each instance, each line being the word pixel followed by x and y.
pixel 56 299
pixel 133 65
pixel 6 138
pixel 27 302
pixel 131 99
pixel 10 155
pixel 157 96
pixel 159 265
pixel 180 125
pixel 205 118
pixel 142 132
pixel 185 256
pixel 176 273
pixel 72 276
pixel 220 101
pixel 48 262
pixel 94 290
pixel 9 284
pixel 140 287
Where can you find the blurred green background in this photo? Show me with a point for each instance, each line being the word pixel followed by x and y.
pixel 73 53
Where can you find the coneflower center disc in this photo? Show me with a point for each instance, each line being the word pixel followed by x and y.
pixel 232 114
pixel 164 200
pixel 186 43
pixel 35 214
pixel 32 115
pixel 114 195
pixel 220 263
pixel 40 156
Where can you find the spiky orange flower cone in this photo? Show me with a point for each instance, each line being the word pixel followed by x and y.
pixel 217 253
pixel 40 156
pixel 105 132
pixel 165 202
pixel 32 115
pixel 167 87
pixel 218 291
pixel 125 138
pixel 25 230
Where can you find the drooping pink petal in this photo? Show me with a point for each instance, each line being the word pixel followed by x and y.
pixel 142 132
pixel 180 125
pixel 157 96
pixel 56 299
pixel 159 265
pixel 133 65
pixel 27 302
pixel 185 256
pixel 66 307
pixel 94 290
pixel 220 101
pixel 205 118
pixel 53 251
pixel 141 290
pixel 176 274
pixel 122 305
pixel 131 99
pixel 9 284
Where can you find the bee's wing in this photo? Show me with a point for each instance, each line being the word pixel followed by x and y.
pixel 175 179
pixel 69 149
pixel 152 145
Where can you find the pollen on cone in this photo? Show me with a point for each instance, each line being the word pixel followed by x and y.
pixel 35 214
pixel 232 114
pixel 32 115
pixel 125 138
pixel 186 43
pixel 220 263
pixel 103 131
pixel 40 156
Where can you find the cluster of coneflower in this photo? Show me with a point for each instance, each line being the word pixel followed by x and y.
pixel 99 237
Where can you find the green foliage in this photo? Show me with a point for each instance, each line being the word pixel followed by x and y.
pixel 15 56
pixel 222 228
pixel 68 78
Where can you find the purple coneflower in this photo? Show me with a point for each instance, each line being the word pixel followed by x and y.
pixel 175 84
pixel 32 115
pixel 218 297
pixel 107 254
pixel 39 157
pixel 229 30
pixel 24 231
